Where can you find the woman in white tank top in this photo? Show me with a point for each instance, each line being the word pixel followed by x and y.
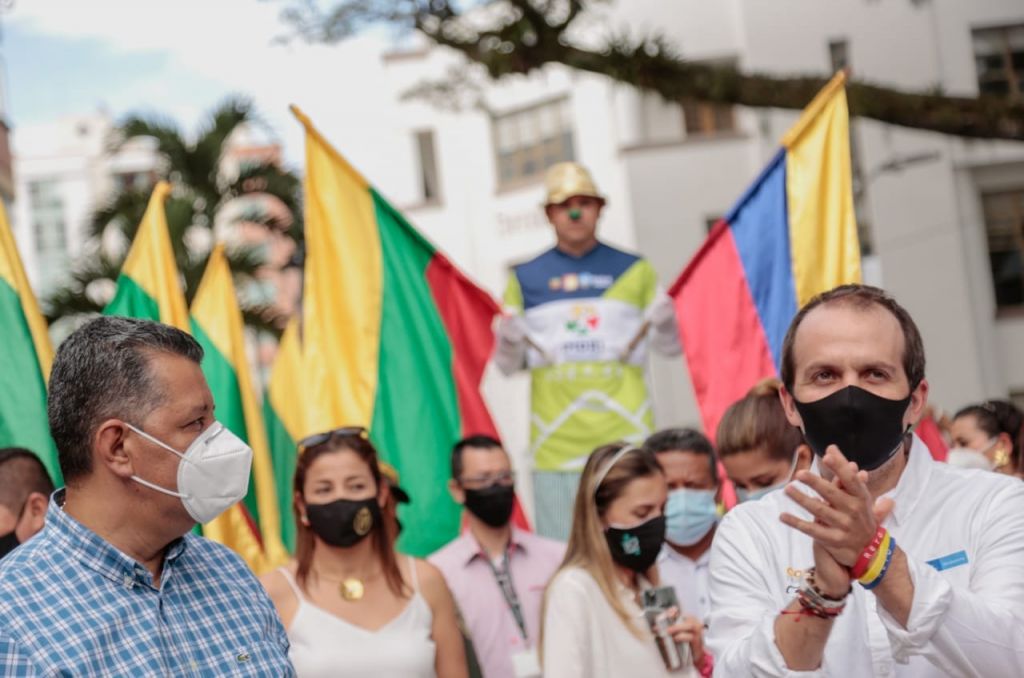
pixel 351 606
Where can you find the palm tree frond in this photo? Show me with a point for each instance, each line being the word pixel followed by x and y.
pixel 125 210
pixel 169 141
pixel 214 134
pixel 199 195
pixel 73 297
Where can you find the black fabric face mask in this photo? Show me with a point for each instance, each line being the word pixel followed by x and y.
pixel 8 543
pixel 493 504
pixel 637 547
pixel 867 428
pixel 344 522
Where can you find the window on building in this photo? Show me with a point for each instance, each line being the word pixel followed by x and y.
pixel 999 60
pixel 49 227
pixel 429 178
pixel 528 141
pixel 48 216
pixel 701 118
pixel 1004 226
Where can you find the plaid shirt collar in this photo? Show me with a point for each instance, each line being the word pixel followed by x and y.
pixel 96 553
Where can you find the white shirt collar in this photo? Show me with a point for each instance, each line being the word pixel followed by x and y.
pixel 669 553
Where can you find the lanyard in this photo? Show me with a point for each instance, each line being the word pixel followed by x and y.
pixel 508 590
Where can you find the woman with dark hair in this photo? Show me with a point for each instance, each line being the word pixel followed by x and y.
pixel 351 605
pixel 592 624
pixel 760 450
pixel 988 436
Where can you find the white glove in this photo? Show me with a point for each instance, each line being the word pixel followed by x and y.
pixel 511 329
pixel 510 349
pixel 664 336
pixel 662 312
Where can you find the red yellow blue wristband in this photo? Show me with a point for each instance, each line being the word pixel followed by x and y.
pixel 867 556
pixel 871 583
pixel 877 561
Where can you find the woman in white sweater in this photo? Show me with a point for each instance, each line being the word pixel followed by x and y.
pixel 593 626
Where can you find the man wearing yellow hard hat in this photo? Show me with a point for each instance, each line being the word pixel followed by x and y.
pixel 580 317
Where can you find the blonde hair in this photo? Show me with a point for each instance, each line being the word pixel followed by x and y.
pixel 603 480
pixel 758 422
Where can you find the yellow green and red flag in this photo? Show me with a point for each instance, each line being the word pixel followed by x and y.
pixel 25 359
pixel 149 286
pixel 218 327
pixel 283 412
pixel 394 338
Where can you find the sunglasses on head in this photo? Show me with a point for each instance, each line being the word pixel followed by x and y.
pixel 327 436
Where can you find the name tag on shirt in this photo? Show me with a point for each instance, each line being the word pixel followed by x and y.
pixel 949 562
pixel 525 664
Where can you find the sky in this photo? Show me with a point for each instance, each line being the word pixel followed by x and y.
pixel 179 59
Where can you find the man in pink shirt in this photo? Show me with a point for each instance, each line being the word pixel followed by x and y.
pixel 496 572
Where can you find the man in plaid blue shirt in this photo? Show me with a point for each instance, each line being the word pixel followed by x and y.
pixel 115 584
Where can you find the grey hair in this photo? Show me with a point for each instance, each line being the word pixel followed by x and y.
pixel 102 372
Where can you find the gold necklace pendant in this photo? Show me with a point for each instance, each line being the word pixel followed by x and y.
pixel 352 589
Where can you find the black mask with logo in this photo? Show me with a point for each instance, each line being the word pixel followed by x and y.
pixel 493 504
pixel 344 522
pixel 867 428
pixel 637 547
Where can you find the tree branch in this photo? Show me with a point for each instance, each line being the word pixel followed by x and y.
pixel 511 37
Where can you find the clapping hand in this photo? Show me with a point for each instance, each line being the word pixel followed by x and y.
pixel 846 517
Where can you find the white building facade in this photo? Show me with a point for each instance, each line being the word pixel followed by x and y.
pixel 942 218
pixel 64 171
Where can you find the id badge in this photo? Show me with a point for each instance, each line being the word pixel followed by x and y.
pixel 525 664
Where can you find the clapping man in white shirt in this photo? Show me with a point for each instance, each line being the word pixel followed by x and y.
pixel 878 561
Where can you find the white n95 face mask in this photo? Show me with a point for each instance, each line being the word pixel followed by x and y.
pixel 213 474
pixel 965 457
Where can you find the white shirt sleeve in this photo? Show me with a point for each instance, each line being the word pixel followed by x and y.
pixel 978 631
pixel 568 636
pixel 743 611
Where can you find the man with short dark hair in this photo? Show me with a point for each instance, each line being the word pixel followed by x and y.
pixel 116 584
pixel 496 572
pixel 878 561
pixel 691 514
pixel 25 489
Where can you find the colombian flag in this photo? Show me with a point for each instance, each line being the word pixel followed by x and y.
pixel 791 236
pixel 25 359
pixel 395 338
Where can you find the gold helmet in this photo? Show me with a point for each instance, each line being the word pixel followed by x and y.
pixel 567 179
